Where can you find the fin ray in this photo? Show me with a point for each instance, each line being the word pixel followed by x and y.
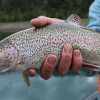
pixel 74 19
pixel 26 78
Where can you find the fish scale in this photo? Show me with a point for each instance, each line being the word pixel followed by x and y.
pixel 32 46
pixel 35 44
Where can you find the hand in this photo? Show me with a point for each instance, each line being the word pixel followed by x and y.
pixel 71 60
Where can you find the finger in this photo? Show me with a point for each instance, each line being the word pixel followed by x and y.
pixel 31 72
pixel 65 61
pixel 43 20
pixel 77 61
pixel 48 67
pixel 39 21
pixel 54 20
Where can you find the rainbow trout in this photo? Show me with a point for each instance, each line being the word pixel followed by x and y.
pixel 30 47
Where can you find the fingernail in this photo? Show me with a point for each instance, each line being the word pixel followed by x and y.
pixel 35 19
pixel 77 53
pixel 51 60
pixel 41 17
pixel 67 49
pixel 31 72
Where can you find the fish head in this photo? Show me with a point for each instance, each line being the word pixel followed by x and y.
pixel 8 57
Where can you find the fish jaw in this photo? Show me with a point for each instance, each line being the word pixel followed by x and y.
pixel 8 57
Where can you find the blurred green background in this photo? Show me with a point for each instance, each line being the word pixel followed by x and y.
pixel 24 10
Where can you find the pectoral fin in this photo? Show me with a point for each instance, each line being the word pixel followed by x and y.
pixel 26 78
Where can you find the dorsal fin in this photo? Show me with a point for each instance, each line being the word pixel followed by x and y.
pixel 74 19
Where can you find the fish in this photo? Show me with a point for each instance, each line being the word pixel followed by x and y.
pixel 30 47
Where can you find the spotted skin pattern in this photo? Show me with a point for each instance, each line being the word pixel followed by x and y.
pixel 30 47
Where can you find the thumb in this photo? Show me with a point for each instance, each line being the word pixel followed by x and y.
pixel 31 72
